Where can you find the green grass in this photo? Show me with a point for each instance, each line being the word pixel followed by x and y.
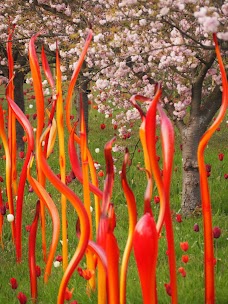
pixel 190 288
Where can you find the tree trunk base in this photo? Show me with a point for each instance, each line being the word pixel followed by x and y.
pixel 191 193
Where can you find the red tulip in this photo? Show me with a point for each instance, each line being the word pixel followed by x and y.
pixel 30 189
pixel 196 227
pixel 68 179
pixel 102 126
pixel 59 258
pixel 34 116
pixel 185 258
pixel 208 167
pixel 168 289
pixel 181 269
pixel 28 228
pixel 157 199
pixel 100 173
pixel 13 283
pixel 216 232
pixel 24 138
pixel 221 156
pixel 184 246
pixel 21 154
pixel 2 209
pixel 85 273
pixel 22 298
pixel 68 294
pixel 178 218
pixel 183 273
pixel 38 271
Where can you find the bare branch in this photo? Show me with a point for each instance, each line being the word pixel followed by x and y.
pixel 197 86
pixel 212 104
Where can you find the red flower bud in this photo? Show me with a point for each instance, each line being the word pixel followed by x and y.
pixel 221 156
pixel 34 116
pixel 102 126
pixel 3 210
pixel 85 273
pixel 28 228
pixel 100 173
pixel 181 269
pixel 216 232
pixel 196 227
pixel 68 179
pixel 21 154
pixel 168 289
pixel 13 283
pixel 183 274
pixel 157 199
pixel 184 246
pixel 59 258
pixel 22 298
pixel 30 189
pixel 185 258
pixel 68 294
pixel 178 218
pixel 38 271
pixel 208 167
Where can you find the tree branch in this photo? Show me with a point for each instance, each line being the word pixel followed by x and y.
pixel 211 106
pixel 191 37
pixel 140 75
pixel 197 86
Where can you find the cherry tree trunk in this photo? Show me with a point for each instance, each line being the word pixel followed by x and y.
pixel 19 99
pixel 191 135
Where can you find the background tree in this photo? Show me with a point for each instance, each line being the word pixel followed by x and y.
pixel 168 42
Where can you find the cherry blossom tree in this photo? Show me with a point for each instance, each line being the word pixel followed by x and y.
pixel 137 44
pixel 168 42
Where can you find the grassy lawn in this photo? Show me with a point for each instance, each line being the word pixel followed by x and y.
pixel 190 288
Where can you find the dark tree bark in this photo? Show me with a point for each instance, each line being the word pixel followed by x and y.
pixel 19 99
pixel 191 131
pixel 190 172
pixel 191 135
pixel 85 103
pixel 81 92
